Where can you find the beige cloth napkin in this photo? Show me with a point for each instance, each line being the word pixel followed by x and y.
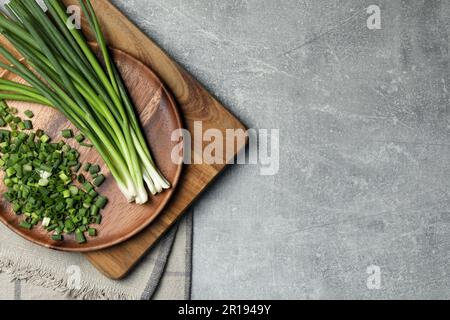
pixel 28 271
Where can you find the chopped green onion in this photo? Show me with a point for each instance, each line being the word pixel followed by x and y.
pixel 28 124
pixel 80 138
pixel 57 237
pixel 94 169
pixel 40 195
pixel 73 190
pixel 101 202
pixel 44 138
pixel 87 186
pixel 64 177
pixel 46 222
pixel 77 167
pixel 29 113
pixel 94 210
pixel 99 180
pixel 93 194
pixel 86 145
pixel 86 167
pixel 67 133
pixel 81 179
pixel 79 236
pixel 25 225
pixel 43 182
pixel 52 227
pixel 69 226
pixel 9 118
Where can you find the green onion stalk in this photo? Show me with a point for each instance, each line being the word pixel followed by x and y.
pixel 62 72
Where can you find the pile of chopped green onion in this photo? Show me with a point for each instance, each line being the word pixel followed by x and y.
pixel 41 179
pixel 62 72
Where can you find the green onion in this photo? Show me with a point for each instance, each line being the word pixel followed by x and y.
pixel 79 236
pixel 68 76
pixel 99 180
pixel 28 124
pixel 77 167
pixel 87 145
pixel 73 190
pixel 101 202
pixel 52 227
pixel 10 172
pixel 43 182
pixel 87 186
pixel 93 194
pixel 39 178
pixel 29 113
pixel 9 118
pixel 67 133
pixel 81 179
pixel 46 221
pixel 25 225
pixel 69 226
pixel 57 237
pixel 79 138
pixel 86 167
pixel 44 138
pixel 94 169
pixel 94 210
pixel 92 232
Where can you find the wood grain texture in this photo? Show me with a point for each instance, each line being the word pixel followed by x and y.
pixel 121 220
pixel 195 104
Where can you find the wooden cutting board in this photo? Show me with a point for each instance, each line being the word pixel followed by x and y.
pixel 195 104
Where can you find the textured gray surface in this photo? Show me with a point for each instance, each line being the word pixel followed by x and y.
pixel 365 141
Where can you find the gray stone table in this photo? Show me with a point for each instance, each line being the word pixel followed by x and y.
pixel 360 207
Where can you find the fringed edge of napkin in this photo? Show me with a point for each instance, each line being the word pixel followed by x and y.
pixel 40 276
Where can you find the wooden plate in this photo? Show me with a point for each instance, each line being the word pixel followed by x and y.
pixel 121 220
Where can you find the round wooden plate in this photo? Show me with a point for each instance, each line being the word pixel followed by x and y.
pixel 121 220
